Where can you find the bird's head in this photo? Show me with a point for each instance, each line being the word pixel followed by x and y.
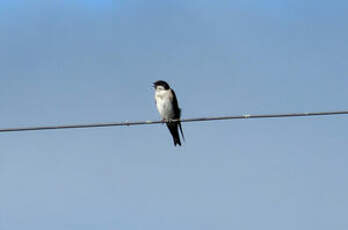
pixel 161 85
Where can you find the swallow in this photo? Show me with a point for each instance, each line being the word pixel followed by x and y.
pixel 168 108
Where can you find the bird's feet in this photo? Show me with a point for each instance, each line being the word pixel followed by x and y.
pixel 167 120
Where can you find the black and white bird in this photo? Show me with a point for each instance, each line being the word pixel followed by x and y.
pixel 168 108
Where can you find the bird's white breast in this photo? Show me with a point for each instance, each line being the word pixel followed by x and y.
pixel 164 104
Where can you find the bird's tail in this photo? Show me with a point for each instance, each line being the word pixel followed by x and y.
pixel 173 128
pixel 182 133
pixel 177 141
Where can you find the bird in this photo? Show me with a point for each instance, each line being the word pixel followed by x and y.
pixel 168 108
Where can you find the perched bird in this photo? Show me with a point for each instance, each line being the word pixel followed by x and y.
pixel 168 108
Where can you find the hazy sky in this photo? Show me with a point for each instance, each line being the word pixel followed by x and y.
pixel 82 61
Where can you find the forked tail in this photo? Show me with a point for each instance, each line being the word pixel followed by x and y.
pixel 182 133
pixel 173 128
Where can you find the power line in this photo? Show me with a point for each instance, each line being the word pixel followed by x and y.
pixel 127 123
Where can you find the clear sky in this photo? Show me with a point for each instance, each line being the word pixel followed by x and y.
pixel 67 62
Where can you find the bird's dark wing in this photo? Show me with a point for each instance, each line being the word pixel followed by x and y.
pixel 177 112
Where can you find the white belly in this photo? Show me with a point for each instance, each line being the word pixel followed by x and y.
pixel 164 106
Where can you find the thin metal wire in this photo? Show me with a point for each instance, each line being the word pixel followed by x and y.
pixel 127 123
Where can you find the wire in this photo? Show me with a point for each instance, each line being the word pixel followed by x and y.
pixel 127 123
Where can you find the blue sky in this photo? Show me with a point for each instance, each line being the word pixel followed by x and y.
pixel 67 62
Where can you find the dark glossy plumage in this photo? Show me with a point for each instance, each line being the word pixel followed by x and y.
pixel 161 83
pixel 173 126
